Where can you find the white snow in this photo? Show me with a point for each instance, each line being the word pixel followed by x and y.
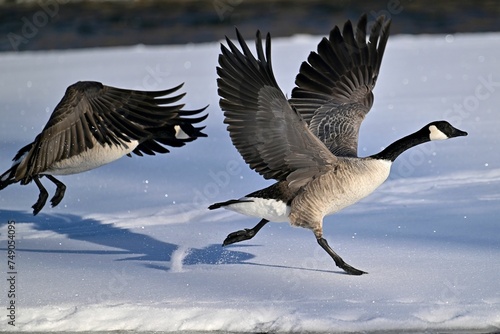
pixel 133 247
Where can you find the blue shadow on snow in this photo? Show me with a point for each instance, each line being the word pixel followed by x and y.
pixel 132 245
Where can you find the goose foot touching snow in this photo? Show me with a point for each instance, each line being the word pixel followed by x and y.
pixel 249 233
pixel 338 260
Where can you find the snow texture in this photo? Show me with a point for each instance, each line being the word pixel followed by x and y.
pixel 132 246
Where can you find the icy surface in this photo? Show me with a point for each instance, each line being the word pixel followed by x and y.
pixel 133 247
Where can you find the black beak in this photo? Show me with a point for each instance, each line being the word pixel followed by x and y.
pixel 459 133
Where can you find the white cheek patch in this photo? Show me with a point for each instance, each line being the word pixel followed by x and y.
pixel 436 134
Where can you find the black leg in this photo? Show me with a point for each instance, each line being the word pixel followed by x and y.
pixel 338 260
pixel 61 188
pixel 42 198
pixel 245 234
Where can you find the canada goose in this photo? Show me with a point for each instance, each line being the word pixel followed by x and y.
pixel 94 125
pixel 309 143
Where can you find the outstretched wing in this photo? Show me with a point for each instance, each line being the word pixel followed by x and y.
pixel 268 132
pixel 93 114
pixel 334 86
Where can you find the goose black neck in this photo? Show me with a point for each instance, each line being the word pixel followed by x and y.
pixel 393 151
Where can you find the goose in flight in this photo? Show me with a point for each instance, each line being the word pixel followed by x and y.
pixel 94 125
pixel 308 144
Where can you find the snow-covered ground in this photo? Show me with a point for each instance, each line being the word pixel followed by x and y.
pixel 133 247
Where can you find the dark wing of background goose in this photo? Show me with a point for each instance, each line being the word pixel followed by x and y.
pixel 333 90
pixel 92 114
pixel 103 123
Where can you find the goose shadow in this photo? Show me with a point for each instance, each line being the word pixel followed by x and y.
pixel 127 244
pixel 290 267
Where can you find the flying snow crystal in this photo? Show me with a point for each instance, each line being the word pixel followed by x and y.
pixel 178 257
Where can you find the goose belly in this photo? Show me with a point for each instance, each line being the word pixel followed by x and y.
pixel 97 156
pixel 270 209
pixel 368 177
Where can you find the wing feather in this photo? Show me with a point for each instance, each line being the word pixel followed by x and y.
pixel 266 130
pixel 91 113
pixel 334 86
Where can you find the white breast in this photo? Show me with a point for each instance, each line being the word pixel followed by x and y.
pixel 98 156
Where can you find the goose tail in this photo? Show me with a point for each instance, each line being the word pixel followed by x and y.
pixel 9 177
pixel 12 175
pixel 223 204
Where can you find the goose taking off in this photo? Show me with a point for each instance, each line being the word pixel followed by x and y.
pixel 308 144
pixel 94 125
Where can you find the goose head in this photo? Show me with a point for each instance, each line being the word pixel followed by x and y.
pixel 440 130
